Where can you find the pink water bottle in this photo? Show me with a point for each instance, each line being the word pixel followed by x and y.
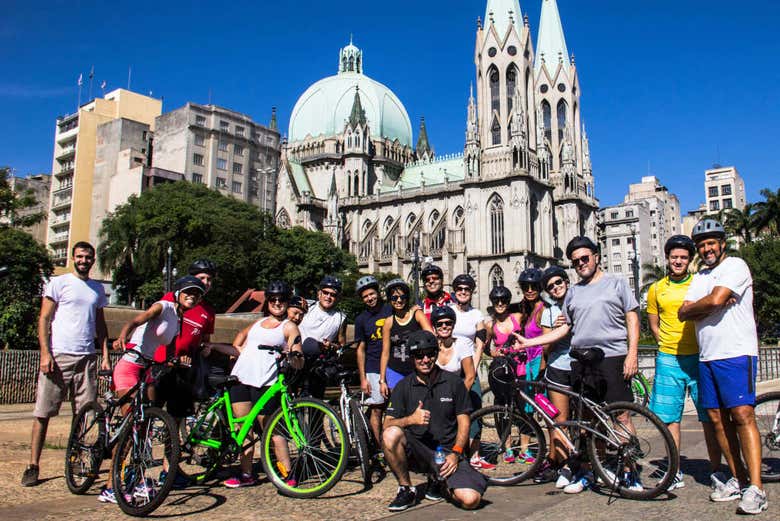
pixel 546 405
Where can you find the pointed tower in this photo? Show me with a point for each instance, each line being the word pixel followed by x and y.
pixel 357 146
pixel 471 152
pixel 424 151
pixel 332 222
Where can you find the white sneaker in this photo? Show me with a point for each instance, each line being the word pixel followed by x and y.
pixel 717 479
pixel 565 478
pixel 611 477
pixel 584 482
pixel 729 491
pixel 753 501
pixel 677 482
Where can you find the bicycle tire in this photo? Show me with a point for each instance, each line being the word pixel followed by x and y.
pixel 640 390
pixel 362 448
pixel 327 457
pixel 654 468
pixel 130 479
pixel 493 447
pixel 767 411
pixel 199 461
pixel 86 444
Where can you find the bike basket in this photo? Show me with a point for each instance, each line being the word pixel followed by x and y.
pixel 501 376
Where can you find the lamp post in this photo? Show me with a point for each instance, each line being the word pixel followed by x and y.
pixel 169 272
pixel 635 262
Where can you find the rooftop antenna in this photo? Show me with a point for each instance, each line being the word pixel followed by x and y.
pixel 129 75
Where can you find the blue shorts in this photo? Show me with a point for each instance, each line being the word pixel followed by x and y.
pixel 393 378
pixel 728 383
pixel 675 377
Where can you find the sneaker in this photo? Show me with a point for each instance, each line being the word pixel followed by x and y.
pixel 243 480
pixel 433 490
pixel 631 482
pixel 612 480
pixel 525 457
pixel 107 495
pixel 481 463
pixel 546 473
pixel 677 482
pixel 145 490
pixel 717 479
pixel 753 501
pixel 30 476
pixel 406 497
pixel 291 482
pixel 729 491
pixel 509 456
pixel 583 482
pixel 565 477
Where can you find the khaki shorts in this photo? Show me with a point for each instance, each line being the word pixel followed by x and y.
pixel 74 376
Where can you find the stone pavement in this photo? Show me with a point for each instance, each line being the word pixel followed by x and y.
pixel 347 500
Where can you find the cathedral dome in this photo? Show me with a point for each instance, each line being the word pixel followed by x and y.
pixel 324 108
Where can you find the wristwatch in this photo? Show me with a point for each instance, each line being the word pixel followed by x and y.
pixel 382 382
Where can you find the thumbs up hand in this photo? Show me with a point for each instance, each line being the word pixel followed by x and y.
pixel 421 416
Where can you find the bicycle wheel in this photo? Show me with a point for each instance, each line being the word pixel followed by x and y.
pixel 640 389
pixel 84 452
pixel 204 439
pixel 512 441
pixel 767 412
pixel 649 452
pixel 305 456
pixel 145 463
pixel 361 444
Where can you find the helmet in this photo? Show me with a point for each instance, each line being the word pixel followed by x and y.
pixel 440 312
pixel 369 281
pixel 202 266
pixel 189 282
pixel 680 241
pixel 707 228
pixel 297 301
pixel 464 280
pixel 329 281
pixel 500 292
pixel 421 341
pixel 431 269
pixel 278 287
pixel 531 276
pixel 580 242
pixel 397 284
pixel 553 271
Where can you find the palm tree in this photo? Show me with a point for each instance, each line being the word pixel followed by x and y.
pixel 741 223
pixel 768 211
pixel 652 273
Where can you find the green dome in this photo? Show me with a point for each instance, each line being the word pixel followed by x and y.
pixel 324 108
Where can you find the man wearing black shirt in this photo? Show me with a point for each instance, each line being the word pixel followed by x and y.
pixel 428 409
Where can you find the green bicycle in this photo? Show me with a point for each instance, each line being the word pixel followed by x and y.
pixel 640 388
pixel 304 446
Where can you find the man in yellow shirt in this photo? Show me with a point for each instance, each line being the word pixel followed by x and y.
pixel 677 362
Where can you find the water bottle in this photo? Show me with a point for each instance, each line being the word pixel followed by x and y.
pixel 546 405
pixel 438 457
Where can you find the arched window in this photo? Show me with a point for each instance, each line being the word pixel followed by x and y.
pixel 495 131
pixel 410 222
pixel 433 219
pixel 388 224
pixel 349 183
pixel 356 184
pixel 283 219
pixel 547 117
pixel 366 227
pixel 534 216
pixel 562 112
pixel 495 95
pixel 389 235
pixel 496 276
pixel 458 217
pixel 511 87
pixel 496 212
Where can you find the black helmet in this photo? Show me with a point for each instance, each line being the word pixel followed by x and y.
pixel 297 301
pixel 707 228
pixel 431 269
pixel 203 266
pixel 530 276
pixel 680 241
pixel 329 281
pixel 279 288
pixel 189 282
pixel 440 312
pixel 369 281
pixel 580 242
pixel 397 284
pixel 500 293
pixel 553 271
pixel 422 341
pixel 464 280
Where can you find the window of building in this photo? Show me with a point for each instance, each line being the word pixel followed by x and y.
pixel 714 206
pixel 458 217
pixel 629 214
pixel 495 99
pixel 495 131
pixel 727 204
pixel 511 87
pixel 725 190
pixel 224 126
pixel 496 210
pixel 617 268
pixel 236 187
pixel 614 215
pixel 615 242
pixel 197 159
pixel 223 146
pixel 221 182
pixel 239 131
pixel 200 121
pixel 197 178
pixel 221 164
pixel 562 110
pixel 238 150
pixel 547 118
pixel 713 191
pixel 631 282
pixel 200 140
pixel 630 241
pixel 496 276
pixel 238 168
pixel 616 256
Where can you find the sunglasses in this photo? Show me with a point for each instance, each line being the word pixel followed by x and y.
pixel 527 286
pixel 329 293
pixel 581 260
pixel 445 323
pixel 553 283
pixel 500 301
pixel 463 288
pixel 396 298
pixel 431 280
pixel 419 355
pixel 277 300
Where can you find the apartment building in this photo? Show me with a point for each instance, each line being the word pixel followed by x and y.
pixel 39 185
pixel 724 189
pixel 664 213
pixel 625 237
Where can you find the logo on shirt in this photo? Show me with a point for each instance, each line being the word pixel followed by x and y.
pixel 377 335
pixel 445 399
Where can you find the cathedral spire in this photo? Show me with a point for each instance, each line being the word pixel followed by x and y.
pixel 273 125
pixel 551 43
pixel 423 147
pixel 350 59
pixel 502 14
pixel 358 115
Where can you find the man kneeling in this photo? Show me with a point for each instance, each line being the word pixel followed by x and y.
pixel 429 409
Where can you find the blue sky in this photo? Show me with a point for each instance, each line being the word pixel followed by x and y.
pixel 668 87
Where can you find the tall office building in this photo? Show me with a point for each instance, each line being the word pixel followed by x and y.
pixel 70 209
pixel 39 185
pixel 625 234
pixel 724 189
pixel 664 213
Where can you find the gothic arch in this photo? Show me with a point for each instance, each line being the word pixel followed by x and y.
pixel 496 222
pixel 496 276
pixel 283 219
pixel 433 218
pixel 458 217
pixel 388 224
pixel 547 118
pixel 512 75
pixel 411 220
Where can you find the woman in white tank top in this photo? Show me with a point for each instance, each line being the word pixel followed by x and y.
pixel 455 355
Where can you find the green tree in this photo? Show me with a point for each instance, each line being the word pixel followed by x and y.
pixel 768 211
pixel 741 223
pixel 763 258
pixel 651 274
pixel 28 264
pixel 13 204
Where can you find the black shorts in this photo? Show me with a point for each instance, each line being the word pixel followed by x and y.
pixel 420 459
pixel 248 393
pixel 604 381
pixel 558 377
pixel 174 391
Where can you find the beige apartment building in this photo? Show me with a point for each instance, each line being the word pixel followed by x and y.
pixel 724 189
pixel 76 203
pixel 221 148
pixel 625 234
pixel 39 185
pixel 663 212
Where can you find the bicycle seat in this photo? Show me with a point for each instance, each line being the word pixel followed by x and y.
pixel 222 380
pixel 105 372
pixel 344 375
pixel 588 355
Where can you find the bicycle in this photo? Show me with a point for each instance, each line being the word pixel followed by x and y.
pixel 514 440
pixel 641 387
pixel 767 411
pixel 307 432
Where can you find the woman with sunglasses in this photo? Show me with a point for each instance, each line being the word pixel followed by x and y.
pixel 396 361
pixel 455 353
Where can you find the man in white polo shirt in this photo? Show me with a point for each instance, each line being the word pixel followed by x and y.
pixel 71 318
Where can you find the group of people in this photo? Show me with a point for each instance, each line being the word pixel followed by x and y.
pixel 418 361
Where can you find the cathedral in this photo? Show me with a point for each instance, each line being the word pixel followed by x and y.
pixel 519 190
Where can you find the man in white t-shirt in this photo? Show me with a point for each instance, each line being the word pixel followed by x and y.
pixel 720 301
pixel 71 318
